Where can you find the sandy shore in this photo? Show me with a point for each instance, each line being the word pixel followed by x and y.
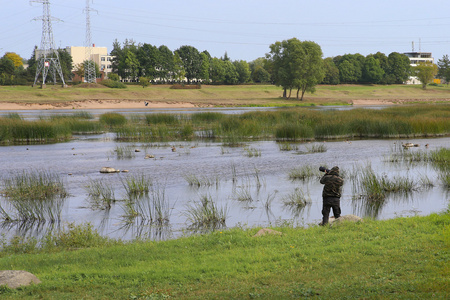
pixel 130 104
pixel 93 104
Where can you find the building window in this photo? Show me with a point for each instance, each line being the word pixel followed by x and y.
pixel 103 59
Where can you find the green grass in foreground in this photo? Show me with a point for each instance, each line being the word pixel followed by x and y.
pixel 402 258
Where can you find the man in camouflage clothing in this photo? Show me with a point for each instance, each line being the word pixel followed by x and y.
pixel 331 194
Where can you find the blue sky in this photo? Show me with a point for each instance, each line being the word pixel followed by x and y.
pixel 244 29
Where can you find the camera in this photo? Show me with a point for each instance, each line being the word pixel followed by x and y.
pixel 323 169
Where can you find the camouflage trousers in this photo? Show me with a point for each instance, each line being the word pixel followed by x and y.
pixel 328 204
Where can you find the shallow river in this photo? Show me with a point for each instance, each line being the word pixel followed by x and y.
pixel 263 179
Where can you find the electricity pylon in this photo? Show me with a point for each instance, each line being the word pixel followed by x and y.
pixel 47 56
pixel 89 65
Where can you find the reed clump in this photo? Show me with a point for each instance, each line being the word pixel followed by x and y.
pixel 303 173
pixel 34 197
pixel 298 199
pixel 101 194
pixel 206 214
pixel 112 119
pixel 137 185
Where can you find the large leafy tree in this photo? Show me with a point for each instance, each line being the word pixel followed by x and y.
pixel 191 60
pixel 16 59
pixel 132 64
pixel 384 64
pixel 258 72
pixel 425 71
pixel 119 63
pixel 350 67
pixel 399 67
pixel 296 64
pixel 243 71
pixel 166 63
pixel 205 66
pixel 444 68
pixel 65 60
pixel 178 69
pixel 148 57
pixel 231 76
pixel 372 71
pixel 331 71
pixel 217 70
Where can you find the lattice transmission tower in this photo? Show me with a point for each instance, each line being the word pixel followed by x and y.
pixel 47 56
pixel 89 65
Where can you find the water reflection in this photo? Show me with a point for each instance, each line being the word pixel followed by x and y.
pixel 225 175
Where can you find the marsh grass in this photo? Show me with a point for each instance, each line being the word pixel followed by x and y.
pixel 101 194
pixel 152 208
pixel 303 173
pixel 199 181
pixel 162 118
pixel 33 196
pixel 124 152
pixel 298 198
pixel 34 185
pixel 206 214
pixel 252 152
pixel 316 148
pixel 375 188
pixel 136 185
pixel 38 131
pixel 112 119
pixel 243 194
pixel 283 146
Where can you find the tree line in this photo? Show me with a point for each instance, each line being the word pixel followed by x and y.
pixel 291 64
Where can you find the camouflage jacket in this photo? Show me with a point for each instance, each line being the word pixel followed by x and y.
pixel 332 183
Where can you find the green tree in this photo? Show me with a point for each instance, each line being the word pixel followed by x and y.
pixel 65 60
pixel 311 71
pixel 260 75
pixel 179 73
pixel 217 71
pixel 350 67
pixel 372 71
pixel 243 71
pixel 120 54
pixel 384 64
pixel 7 70
pixel 190 57
pixel 230 73
pixel 258 71
pixel 296 64
pixel 444 68
pixel 399 68
pixel 113 76
pixel 17 60
pixel 132 64
pixel 425 71
pixel 144 81
pixel 166 63
pixel 148 57
pixel 331 72
pixel 204 70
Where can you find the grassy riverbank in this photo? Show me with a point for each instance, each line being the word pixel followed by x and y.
pixel 210 95
pixel 292 124
pixel 402 258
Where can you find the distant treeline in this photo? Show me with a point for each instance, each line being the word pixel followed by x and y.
pixel 187 64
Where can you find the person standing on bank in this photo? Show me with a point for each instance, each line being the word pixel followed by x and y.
pixel 331 193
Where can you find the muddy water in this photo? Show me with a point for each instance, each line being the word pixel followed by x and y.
pixel 263 178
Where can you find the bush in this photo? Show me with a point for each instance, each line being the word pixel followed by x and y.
pixel 113 84
pixel 186 87
pixel 113 119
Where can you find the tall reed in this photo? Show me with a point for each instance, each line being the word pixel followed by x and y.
pixel 206 214
pixel 101 194
pixel 34 196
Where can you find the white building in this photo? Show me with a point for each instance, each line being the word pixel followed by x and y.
pixel 415 58
pixel 98 54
